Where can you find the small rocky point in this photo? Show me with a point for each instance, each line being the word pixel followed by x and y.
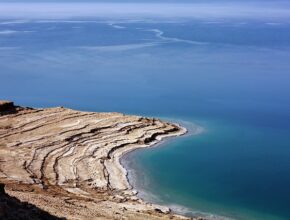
pixel 66 163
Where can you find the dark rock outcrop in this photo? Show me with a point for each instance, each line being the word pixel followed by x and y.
pixel 7 107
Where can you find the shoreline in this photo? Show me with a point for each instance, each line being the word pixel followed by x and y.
pixel 151 198
pixel 125 158
pixel 159 140
pixel 125 161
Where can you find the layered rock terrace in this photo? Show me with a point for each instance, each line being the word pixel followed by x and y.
pixel 67 162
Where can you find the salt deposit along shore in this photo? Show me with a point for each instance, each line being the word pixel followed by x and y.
pixel 67 162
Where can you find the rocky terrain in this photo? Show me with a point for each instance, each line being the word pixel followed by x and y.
pixel 66 162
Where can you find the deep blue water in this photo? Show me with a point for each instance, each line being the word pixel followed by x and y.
pixel 230 77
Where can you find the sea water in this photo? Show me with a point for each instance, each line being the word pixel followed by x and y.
pixel 228 76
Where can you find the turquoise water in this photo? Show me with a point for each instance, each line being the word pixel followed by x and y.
pixel 228 75
pixel 230 170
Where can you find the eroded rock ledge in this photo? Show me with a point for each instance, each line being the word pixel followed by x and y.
pixel 66 162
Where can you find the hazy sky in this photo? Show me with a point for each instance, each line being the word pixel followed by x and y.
pixel 146 1
pixel 252 10
pixel 248 9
